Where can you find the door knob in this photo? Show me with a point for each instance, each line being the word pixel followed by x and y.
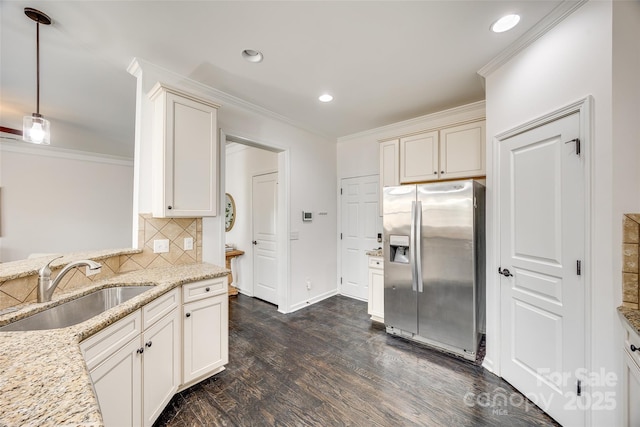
pixel 505 272
pixel 255 242
pixel 634 348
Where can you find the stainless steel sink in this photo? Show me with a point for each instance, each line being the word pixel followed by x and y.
pixel 76 311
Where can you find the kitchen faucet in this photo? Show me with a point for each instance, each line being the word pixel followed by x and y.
pixel 46 286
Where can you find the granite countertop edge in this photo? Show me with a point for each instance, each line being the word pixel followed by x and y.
pixel 28 267
pixel 43 375
pixel 631 316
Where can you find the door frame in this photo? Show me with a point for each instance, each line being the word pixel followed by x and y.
pixel 584 107
pixel 283 221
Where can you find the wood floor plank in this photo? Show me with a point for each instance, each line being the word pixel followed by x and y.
pixel 329 365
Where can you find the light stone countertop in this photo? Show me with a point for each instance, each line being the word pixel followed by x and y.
pixel 27 267
pixel 43 377
pixel 631 316
pixel 374 252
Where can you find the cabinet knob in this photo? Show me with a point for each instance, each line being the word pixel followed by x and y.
pixel 435 172
pixel 169 207
pixel 140 350
pixel 207 289
pixel 188 314
pixel 634 348
pixel 441 172
pixel 148 344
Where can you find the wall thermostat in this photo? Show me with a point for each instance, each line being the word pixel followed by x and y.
pixel 307 216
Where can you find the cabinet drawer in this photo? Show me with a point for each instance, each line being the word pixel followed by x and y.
pixel 157 308
pixel 203 289
pixel 100 346
pixel 376 262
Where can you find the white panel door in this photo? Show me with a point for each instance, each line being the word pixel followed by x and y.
pixel 264 213
pixel 360 227
pixel 542 229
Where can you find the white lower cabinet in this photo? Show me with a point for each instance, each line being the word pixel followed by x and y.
pixel 205 348
pixel 631 375
pixel 376 289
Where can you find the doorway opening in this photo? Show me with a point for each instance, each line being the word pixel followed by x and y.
pixel 256 220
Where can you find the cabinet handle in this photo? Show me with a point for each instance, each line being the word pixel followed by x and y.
pixel 634 348
pixel 169 207
pixel 188 314
pixel 435 172
pixel 206 289
pixel 140 350
pixel 148 344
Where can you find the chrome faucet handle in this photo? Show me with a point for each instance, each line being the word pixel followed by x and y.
pixel 45 271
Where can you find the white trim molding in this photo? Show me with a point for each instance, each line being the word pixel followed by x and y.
pixel 553 18
pixel 64 153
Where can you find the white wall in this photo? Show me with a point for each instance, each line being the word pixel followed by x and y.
pixel 358 153
pixel 570 62
pixel 243 162
pixel 54 200
pixel 308 166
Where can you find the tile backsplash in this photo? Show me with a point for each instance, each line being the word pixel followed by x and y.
pixel 630 252
pixel 23 290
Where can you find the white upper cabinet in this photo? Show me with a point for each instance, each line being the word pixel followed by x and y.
pixel 419 157
pixel 446 153
pixel 185 154
pixel 462 151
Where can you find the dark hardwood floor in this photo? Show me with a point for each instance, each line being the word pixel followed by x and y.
pixel 329 365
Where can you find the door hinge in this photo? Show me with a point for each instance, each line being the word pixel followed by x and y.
pixel 579 388
pixel 579 268
pixel 340 236
pixel 341 191
pixel 577 141
pixel 341 280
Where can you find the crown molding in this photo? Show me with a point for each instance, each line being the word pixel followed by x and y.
pixel 475 110
pixel 138 65
pixel 553 18
pixel 63 153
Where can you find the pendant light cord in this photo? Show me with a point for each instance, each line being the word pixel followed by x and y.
pixel 37 68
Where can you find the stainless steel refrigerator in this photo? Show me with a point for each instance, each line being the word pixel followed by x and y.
pixel 434 264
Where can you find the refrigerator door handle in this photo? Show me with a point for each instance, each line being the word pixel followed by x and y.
pixel 418 246
pixel 412 246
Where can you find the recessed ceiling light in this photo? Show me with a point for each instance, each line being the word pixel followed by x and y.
pixel 252 55
pixel 505 23
pixel 325 98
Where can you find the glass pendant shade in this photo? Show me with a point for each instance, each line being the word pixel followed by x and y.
pixel 36 130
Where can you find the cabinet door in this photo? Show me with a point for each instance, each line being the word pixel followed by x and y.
pixel 117 382
pixel 389 167
pixel 190 158
pixel 376 294
pixel 462 151
pixel 205 330
pixel 160 365
pixel 419 157
pixel 631 392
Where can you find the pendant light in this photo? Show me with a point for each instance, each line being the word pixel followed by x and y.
pixel 35 128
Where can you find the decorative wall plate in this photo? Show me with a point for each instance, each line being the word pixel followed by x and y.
pixel 229 212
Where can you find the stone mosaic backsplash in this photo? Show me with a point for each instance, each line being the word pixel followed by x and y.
pixel 23 290
pixel 630 252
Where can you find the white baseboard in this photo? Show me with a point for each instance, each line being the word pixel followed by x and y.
pixel 311 301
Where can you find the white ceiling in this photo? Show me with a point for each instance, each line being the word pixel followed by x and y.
pixel 383 61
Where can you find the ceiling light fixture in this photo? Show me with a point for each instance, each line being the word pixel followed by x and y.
pixel 325 98
pixel 505 23
pixel 35 128
pixel 252 55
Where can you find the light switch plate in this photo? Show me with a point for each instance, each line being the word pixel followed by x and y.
pixel 160 246
pixel 188 243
